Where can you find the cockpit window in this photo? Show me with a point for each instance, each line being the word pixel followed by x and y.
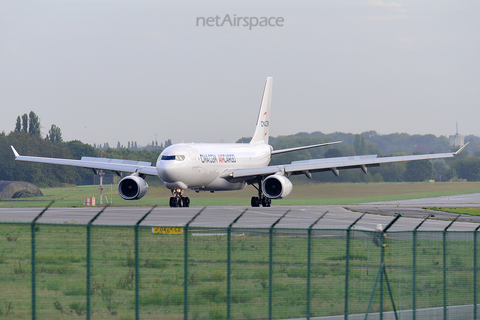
pixel 176 157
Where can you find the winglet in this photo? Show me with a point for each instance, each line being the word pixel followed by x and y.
pixel 460 150
pixel 15 152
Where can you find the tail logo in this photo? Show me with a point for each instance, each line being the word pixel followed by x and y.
pixel 264 123
pixel 265 113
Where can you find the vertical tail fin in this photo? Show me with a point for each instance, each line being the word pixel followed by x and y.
pixel 262 130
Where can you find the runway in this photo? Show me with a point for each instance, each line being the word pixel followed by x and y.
pixel 298 216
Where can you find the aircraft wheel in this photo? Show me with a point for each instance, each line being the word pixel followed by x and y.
pixel 266 202
pixel 255 202
pixel 178 202
pixel 186 201
pixel 172 202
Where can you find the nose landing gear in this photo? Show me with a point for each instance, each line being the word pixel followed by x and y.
pixel 178 200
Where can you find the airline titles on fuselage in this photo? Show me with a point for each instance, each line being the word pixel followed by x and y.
pixel 219 158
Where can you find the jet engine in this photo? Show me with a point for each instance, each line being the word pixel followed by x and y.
pixel 276 186
pixel 132 187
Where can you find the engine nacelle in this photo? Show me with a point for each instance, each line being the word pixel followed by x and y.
pixel 132 188
pixel 276 186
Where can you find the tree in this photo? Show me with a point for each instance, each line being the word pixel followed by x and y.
pixel 440 169
pixel 54 134
pixel 451 173
pixel 377 177
pixel 468 168
pixel 18 125
pixel 419 170
pixel 333 153
pixel 361 145
pixel 25 122
pixel 392 172
pixel 79 149
pixel 33 124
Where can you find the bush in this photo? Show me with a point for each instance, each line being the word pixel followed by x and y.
pixel 75 291
pixel 79 307
pixel 155 263
pixel 160 297
pixel 214 294
pixel 217 312
pixel 218 275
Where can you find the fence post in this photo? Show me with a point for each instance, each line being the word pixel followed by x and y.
pixel 347 264
pixel 382 273
pixel 414 269
pixel 229 257
pixel 309 261
pixel 384 233
pixel 89 225
pixel 34 287
pixel 137 271
pixel 475 272
pixel 185 273
pixel 270 267
pixel 445 267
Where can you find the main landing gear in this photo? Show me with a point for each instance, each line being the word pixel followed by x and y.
pixel 261 200
pixel 178 200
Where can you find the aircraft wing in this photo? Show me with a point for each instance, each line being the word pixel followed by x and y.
pixel 116 165
pixel 334 164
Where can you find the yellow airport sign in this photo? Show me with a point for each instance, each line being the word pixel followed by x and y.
pixel 167 230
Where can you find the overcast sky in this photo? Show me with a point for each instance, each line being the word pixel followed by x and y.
pixel 108 71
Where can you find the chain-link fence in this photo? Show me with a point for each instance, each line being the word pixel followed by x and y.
pixel 66 270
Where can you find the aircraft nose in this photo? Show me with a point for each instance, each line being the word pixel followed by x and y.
pixel 169 171
pixel 166 172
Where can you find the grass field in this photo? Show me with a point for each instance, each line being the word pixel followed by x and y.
pixel 303 194
pixel 474 211
pixel 61 273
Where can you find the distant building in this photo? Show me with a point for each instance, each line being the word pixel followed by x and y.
pixel 456 141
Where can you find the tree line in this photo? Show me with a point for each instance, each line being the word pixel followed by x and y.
pixel 27 139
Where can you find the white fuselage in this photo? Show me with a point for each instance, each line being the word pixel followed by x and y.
pixel 205 166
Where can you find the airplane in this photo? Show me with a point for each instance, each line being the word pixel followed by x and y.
pixel 226 166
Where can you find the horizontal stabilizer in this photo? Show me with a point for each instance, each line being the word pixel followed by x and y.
pixel 304 147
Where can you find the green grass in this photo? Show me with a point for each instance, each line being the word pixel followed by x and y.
pixel 303 194
pixel 473 211
pixel 61 273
